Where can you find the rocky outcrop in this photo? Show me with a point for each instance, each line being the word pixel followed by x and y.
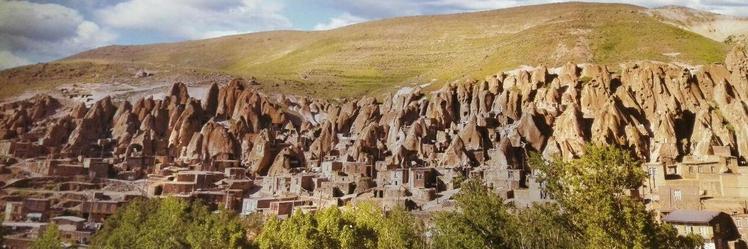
pixel 660 111
pixel 90 128
pixel 217 142
pixel 261 156
pixel 288 160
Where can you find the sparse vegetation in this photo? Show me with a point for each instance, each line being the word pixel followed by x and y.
pixel 375 57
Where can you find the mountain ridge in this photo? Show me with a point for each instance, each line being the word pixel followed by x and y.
pixel 382 55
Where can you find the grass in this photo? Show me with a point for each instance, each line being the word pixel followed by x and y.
pixel 635 38
pixel 379 56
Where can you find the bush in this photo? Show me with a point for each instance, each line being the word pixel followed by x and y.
pixel 360 226
pixel 170 223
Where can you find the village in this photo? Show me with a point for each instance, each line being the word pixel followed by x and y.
pixel 238 149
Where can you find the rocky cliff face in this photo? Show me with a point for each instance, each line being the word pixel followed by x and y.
pixel 659 111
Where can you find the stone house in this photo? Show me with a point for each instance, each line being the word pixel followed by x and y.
pixel 97 167
pixel 99 210
pixel 260 204
pixel 72 229
pixel 421 178
pixel 717 228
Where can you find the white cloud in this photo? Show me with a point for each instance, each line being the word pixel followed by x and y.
pixel 339 21
pixel 194 19
pixel 32 32
pixel 8 60
pixel 380 9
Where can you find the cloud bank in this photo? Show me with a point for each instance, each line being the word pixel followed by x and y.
pixel 32 32
pixel 194 19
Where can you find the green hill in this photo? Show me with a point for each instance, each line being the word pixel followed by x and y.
pixel 377 56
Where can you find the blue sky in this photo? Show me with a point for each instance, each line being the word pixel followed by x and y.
pixel 43 30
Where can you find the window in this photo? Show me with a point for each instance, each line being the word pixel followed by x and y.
pixel 677 195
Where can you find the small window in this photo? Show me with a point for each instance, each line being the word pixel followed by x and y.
pixel 677 195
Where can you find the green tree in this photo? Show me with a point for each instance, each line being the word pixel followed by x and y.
pixel 170 223
pixel 481 220
pixel 593 192
pixel 544 226
pixel 363 225
pixel 593 209
pixel 218 230
pixel 253 224
pixel 270 236
pixel 50 239
pixel 166 227
pixel 400 229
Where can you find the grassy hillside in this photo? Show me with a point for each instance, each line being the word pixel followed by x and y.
pixel 377 56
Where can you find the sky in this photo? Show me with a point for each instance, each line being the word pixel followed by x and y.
pixel 44 30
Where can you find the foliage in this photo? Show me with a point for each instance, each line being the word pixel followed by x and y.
pixel 50 239
pixel 544 226
pixel 593 191
pixel 170 223
pixel 359 226
pixel 592 210
pixel 457 180
pixel 484 221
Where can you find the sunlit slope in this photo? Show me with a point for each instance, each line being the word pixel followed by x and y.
pixel 377 56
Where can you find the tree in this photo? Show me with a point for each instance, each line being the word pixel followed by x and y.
pixel 253 224
pixel 544 226
pixel 50 239
pixel 593 209
pixel 171 223
pixel 123 229
pixel 400 229
pixel 593 191
pixel 218 230
pixel 482 220
pixel 363 225
pixel 166 227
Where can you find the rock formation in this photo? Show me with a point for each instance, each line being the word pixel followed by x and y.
pixel 660 111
